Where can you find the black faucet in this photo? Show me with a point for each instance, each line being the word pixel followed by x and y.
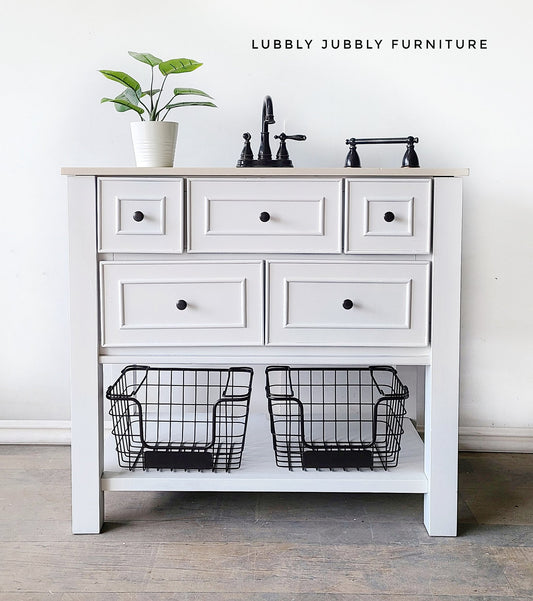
pixel 264 156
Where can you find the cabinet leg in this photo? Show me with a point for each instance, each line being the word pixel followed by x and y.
pixel 442 378
pixel 85 371
pixel 87 456
pixel 440 455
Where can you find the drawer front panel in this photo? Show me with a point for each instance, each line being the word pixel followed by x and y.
pixel 348 304
pixel 189 303
pixel 388 216
pixel 140 215
pixel 235 215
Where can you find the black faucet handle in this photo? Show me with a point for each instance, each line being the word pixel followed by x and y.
pixel 247 156
pixel 410 158
pixel 352 158
pixel 247 150
pixel 282 155
pixel 298 137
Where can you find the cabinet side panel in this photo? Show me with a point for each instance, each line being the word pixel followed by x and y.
pixel 442 382
pixel 85 371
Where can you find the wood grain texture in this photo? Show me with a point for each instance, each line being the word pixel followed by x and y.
pixel 260 547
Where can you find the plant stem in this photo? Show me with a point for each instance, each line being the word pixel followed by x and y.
pixel 154 112
pixel 141 102
pixel 151 93
pixel 168 110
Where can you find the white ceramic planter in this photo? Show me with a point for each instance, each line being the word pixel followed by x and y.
pixel 154 143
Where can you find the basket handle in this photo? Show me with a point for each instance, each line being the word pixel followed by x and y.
pixel 229 383
pixel 288 381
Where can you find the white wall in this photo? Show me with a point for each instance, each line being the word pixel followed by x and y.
pixel 470 109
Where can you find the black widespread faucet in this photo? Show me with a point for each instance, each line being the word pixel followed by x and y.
pixel 264 156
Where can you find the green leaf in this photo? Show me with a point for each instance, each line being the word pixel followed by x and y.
pixel 145 57
pixel 190 91
pixel 149 93
pixel 122 78
pixel 177 104
pixel 130 97
pixel 125 103
pixel 178 65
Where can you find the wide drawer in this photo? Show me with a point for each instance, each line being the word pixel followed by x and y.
pixel 348 303
pixel 388 216
pixel 187 303
pixel 265 215
pixel 140 215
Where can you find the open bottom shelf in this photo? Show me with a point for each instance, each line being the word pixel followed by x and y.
pixel 259 473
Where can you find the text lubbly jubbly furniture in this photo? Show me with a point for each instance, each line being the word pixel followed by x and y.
pixel 322 270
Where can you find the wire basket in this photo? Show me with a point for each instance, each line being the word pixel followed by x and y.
pixel 171 418
pixel 336 418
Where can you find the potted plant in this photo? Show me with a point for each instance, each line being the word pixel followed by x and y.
pixel 154 138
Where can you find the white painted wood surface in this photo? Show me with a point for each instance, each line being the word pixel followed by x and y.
pixel 223 303
pixel 259 472
pixel 388 216
pixel 279 216
pixel 390 303
pixel 435 475
pixel 160 227
pixel 442 376
pixel 85 370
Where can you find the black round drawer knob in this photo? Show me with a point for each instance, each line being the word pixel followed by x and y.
pixel 264 217
pixel 181 304
pixel 347 304
pixel 389 216
pixel 138 216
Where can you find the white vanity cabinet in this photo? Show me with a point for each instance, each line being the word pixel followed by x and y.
pixel 199 267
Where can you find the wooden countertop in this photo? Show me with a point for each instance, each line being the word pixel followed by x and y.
pixel 260 171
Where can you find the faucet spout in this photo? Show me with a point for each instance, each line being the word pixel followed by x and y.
pixel 267 115
pixel 267 118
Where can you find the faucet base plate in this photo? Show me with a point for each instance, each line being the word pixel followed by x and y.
pixel 264 163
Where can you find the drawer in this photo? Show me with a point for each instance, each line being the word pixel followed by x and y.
pixel 265 215
pixel 348 303
pixel 140 215
pixel 388 216
pixel 188 303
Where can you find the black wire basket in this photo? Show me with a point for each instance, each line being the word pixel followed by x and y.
pixel 172 418
pixel 336 418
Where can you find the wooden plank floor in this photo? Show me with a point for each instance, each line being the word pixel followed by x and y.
pixel 265 547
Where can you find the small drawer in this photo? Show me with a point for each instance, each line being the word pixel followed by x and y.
pixel 348 303
pixel 188 303
pixel 140 215
pixel 388 216
pixel 265 215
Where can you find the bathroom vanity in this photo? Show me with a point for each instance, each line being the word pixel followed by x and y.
pixel 260 266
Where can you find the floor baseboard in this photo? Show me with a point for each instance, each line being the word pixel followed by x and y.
pixel 496 440
pixel 35 431
pixel 479 439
